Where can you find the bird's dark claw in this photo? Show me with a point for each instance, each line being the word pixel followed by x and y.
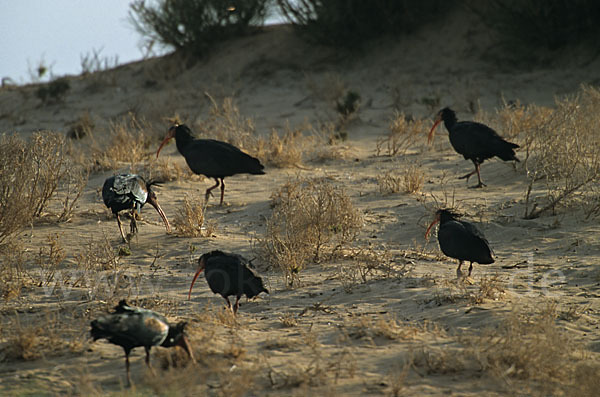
pixel 479 185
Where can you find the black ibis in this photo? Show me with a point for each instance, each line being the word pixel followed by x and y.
pixel 461 240
pixel 228 275
pixel 212 158
pixel 130 192
pixel 475 141
pixel 131 327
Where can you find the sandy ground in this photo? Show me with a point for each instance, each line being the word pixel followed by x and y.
pixel 406 329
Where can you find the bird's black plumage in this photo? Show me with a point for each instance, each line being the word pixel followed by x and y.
pixel 212 158
pixel 131 327
pixel 130 192
pixel 475 141
pixel 461 240
pixel 229 275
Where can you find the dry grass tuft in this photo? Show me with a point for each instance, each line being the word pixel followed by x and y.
pixel 529 347
pixel 288 148
pixel 489 288
pixel 30 174
pixel 561 148
pixel 310 221
pixel 387 327
pixel 411 181
pixel 127 143
pixel 402 136
pixel 189 220
pixel 13 275
pixel 44 336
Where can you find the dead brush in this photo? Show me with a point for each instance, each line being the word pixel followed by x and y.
pixel 13 274
pixel 310 221
pixel 402 136
pixel 189 220
pixel 30 173
pixel 128 143
pixel 387 327
pixel 564 153
pixel 45 335
pixel 525 346
pixel 489 288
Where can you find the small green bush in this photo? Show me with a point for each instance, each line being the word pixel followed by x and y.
pixel 350 23
pixel 524 27
pixel 195 25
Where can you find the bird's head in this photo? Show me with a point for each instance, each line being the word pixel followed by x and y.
pixel 441 215
pixel 170 135
pixel 177 337
pixel 153 201
pixel 201 266
pixel 443 115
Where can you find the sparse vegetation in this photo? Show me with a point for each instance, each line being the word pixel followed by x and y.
pixel 195 25
pixel 189 220
pixel 523 26
pixel 30 173
pixel 311 220
pixel 127 143
pixel 351 24
pixel 404 133
pixel 54 91
pixel 564 152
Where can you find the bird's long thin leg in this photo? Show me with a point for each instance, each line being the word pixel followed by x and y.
pixel 458 271
pixel 147 356
pixel 222 191
pixel 228 303
pixel 121 228
pixel 127 368
pixel 237 305
pixel 467 176
pixel 208 191
pixel 480 184
pixel 470 269
pixel 133 225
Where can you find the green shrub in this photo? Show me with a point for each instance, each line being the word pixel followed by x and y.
pixel 195 25
pixel 350 23
pixel 522 26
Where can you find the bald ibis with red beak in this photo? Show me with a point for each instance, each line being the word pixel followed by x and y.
pixel 211 158
pixel 461 240
pixel 228 275
pixel 475 141
pixel 131 327
pixel 130 192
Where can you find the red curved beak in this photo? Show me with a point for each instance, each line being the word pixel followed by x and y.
pixel 438 120
pixel 170 135
pixel 200 268
pixel 436 220
pixel 162 214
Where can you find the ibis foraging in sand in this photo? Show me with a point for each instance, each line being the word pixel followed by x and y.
pixel 475 141
pixel 228 275
pixel 131 327
pixel 130 192
pixel 461 240
pixel 211 158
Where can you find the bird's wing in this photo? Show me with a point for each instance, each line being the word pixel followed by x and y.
pixel 472 229
pixel 131 185
pixel 132 327
pixel 219 159
pixel 479 140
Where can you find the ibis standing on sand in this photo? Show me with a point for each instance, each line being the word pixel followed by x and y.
pixel 212 158
pixel 461 240
pixel 475 141
pixel 131 327
pixel 130 192
pixel 228 275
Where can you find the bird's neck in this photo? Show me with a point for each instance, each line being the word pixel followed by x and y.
pixel 450 122
pixel 182 139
